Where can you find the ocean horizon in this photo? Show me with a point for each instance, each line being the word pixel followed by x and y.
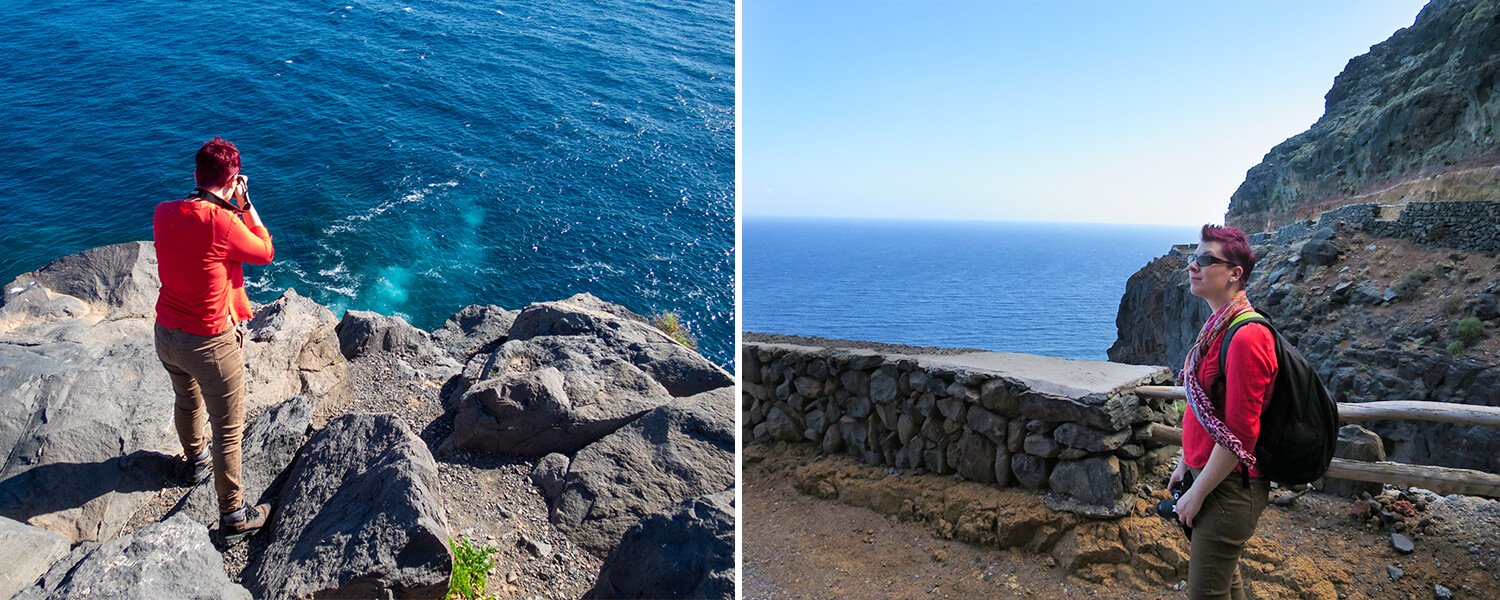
pixel 409 159
pixel 1050 289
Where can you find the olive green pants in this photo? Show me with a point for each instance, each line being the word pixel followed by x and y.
pixel 1223 525
pixel 208 376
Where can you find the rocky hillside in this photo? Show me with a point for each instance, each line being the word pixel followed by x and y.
pixel 1381 318
pixel 569 435
pixel 1416 118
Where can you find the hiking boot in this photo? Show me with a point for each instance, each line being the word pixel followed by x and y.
pixel 196 470
pixel 251 520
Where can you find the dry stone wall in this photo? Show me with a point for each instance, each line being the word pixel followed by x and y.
pixel 1073 428
pixel 1458 225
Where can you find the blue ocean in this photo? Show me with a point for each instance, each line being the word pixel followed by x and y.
pixel 1051 289
pixel 409 158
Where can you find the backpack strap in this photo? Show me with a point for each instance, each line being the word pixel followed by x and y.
pixel 1218 385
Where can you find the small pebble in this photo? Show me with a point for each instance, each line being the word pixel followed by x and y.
pixel 1395 572
pixel 1441 592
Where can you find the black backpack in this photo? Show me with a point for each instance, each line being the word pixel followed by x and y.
pixel 1299 423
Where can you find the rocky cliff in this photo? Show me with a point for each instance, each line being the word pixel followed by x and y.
pixel 1415 118
pixel 554 431
pixel 1381 318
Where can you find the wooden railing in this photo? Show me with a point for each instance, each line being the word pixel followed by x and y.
pixel 1443 480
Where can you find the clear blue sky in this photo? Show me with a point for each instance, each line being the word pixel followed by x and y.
pixel 1124 112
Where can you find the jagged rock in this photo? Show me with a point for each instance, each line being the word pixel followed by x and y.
pixel 363 332
pixel 1402 544
pixel 1411 119
pixel 680 370
pixel 1031 471
pixel 106 283
pixel 989 424
pixel 359 516
pixel 61 350
pixel 883 386
pixel 550 394
pixel 292 349
pixel 1088 438
pixel 474 330
pixel 976 457
pixel 1355 443
pixel 1091 480
pixel 677 451
pixel 27 553
pixel 550 475
pixel 267 448
pixel 1321 250
pixel 685 552
pixel 1042 445
pixel 782 426
pixel 170 559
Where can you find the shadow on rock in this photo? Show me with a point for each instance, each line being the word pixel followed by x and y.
pixel 60 497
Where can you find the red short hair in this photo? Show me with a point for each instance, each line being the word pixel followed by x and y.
pixel 1234 245
pixel 218 161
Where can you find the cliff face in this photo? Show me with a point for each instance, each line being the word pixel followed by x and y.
pixel 1377 316
pixel 1413 119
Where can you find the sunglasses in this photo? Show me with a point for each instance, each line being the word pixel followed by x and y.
pixel 1206 260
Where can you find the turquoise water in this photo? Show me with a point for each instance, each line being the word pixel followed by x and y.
pixel 1051 289
pixel 409 158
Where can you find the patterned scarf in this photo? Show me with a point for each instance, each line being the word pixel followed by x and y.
pixel 1198 400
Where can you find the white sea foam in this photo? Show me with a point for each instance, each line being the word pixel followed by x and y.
pixel 416 195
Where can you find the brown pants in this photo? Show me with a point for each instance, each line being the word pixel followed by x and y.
pixel 209 373
pixel 1223 525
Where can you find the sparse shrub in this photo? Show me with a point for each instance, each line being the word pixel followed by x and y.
pixel 1453 304
pixel 1411 284
pixel 1469 330
pixel 1456 348
pixel 669 323
pixel 1179 407
pixel 471 570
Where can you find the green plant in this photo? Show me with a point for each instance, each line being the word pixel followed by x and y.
pixel 1456 348
pixel 471 570
pixel 1179 406
pixel 1469 330
pixel 670 324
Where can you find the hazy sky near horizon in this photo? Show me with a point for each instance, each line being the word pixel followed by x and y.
pixel 1082 111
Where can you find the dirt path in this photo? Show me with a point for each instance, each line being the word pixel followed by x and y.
pixel 799 546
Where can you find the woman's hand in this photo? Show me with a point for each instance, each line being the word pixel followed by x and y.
pixel 1177 475
pixel 1189 504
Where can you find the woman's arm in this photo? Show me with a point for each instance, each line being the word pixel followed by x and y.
pixel 1221 462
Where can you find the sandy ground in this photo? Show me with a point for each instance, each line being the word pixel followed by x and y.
pixel 799 546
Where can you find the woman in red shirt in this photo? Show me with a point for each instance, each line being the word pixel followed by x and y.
pixel 1220 426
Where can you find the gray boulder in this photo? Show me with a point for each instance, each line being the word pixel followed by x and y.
pixel 103 454
pixel 680 370
pixel 550 475
pixel 1355 443
pixel 292 349
pixel 686 552
pixel 359 516
pixel 1090 480
pixel 548 394
pixel 170 559
pixel 362 332
pixel 677 451
pixel 27 553
pixel 475 329
pixel 267 448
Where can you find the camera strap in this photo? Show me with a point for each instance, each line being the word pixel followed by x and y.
pixel 214 198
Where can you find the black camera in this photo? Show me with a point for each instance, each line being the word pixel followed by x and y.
pixel 1167 509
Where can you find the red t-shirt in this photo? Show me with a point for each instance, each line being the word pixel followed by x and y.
pixel 1252 377
pixel 199 248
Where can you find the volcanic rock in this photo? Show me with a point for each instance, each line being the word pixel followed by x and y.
pixel 359 516
pixel 169 559
pixel 685 552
